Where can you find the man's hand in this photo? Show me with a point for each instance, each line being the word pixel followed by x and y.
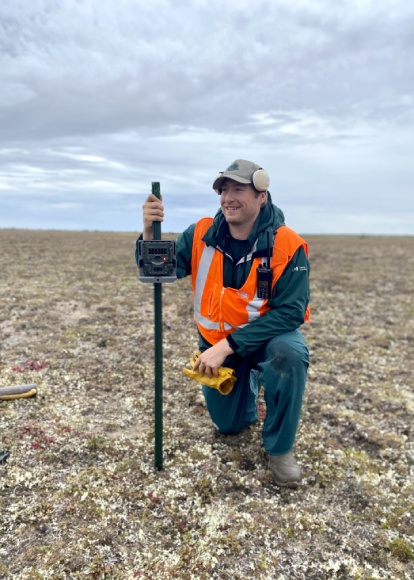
pixel 210 360
pixel 152 211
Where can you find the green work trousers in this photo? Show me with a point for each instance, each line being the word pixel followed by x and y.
pixel 281 368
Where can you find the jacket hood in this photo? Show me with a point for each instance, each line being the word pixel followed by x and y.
pixel 270 217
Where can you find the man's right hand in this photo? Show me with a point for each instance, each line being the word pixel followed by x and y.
pixel 152 211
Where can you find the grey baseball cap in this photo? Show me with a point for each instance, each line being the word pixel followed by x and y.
pixel 240 170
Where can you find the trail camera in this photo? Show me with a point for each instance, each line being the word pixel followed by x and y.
pixel 157 261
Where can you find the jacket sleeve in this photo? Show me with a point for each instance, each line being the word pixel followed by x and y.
pixel 184 247
pixel 288 304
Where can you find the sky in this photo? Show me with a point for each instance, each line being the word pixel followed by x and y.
pixel 99 98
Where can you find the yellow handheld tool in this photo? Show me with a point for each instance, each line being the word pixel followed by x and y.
pixel 224 383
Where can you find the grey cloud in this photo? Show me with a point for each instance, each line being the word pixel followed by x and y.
pixel 145 75
pixel 319 94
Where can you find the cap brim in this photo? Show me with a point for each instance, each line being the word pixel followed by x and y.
pixel 219 180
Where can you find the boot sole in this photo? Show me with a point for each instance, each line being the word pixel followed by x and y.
pixel 290 484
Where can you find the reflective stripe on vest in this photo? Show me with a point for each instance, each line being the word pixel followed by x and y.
pixel 203 270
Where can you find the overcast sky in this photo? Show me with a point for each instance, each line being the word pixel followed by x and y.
pixel 98 98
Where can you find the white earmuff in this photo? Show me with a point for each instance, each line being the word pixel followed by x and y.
pixel 261 180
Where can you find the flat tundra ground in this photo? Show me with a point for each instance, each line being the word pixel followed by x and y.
pixel 79 494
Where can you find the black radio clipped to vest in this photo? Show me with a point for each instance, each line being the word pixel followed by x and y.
pixel 264 282
pixel 265 274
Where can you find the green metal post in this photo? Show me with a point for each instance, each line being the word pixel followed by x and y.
pixel 156 234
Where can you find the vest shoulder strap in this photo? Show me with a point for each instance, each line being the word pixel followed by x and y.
pixel 202 226
pixel 288 241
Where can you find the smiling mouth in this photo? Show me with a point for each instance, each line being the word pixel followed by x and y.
pixel 231 208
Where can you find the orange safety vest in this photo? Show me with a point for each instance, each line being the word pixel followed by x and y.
pixel 219 311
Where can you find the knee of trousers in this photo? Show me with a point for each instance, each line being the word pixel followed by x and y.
pixel 284 361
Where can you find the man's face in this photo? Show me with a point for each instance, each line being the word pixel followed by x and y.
pixel 239 203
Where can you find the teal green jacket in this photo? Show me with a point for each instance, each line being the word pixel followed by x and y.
pixel 291 293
